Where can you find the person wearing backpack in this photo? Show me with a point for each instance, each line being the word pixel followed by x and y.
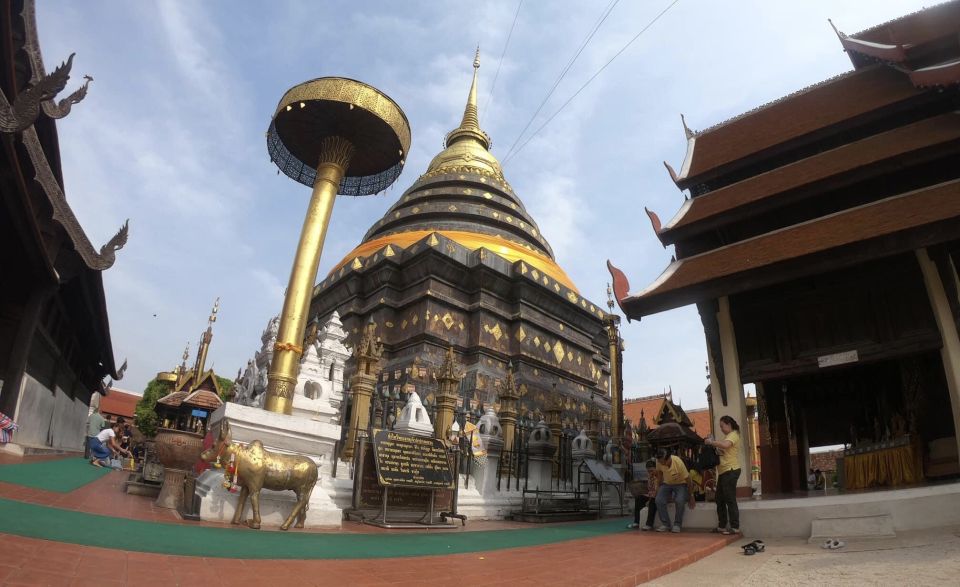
pixel 728 472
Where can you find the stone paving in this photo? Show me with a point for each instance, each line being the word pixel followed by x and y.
pixel 927 557
pixel 622 558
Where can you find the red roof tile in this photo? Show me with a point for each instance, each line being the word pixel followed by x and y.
pixel 700 417
pixel 119 403
pixel 804 112
pixel 938 130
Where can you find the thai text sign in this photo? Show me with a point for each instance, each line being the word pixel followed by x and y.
pixel 838 359
pixel 411 461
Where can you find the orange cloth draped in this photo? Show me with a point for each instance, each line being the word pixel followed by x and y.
pixel 886 467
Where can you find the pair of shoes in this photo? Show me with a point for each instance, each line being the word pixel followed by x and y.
pixel 675 529
pixel 754 547
pixel 662 529
pixel 632 526
pixel 718 530
pixel 646 528
pixel 833 544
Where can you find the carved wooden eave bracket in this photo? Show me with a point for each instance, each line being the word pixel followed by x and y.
pixel 63 214
pixel 655 224
pixel 687 159
pixel 621 287
pixel 20 118
pixel 711 328
pixel 40 94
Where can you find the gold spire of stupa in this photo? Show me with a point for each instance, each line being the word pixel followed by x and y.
pixel 467 146
pixel 470 125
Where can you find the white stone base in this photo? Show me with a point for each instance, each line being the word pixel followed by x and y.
pixel 218 505
pixel 492 506
pixel 278 433
pixel 281 433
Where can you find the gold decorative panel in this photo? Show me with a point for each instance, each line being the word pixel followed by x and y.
pixel 558 351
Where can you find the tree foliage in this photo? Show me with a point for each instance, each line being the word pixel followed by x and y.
pixel 145 418
pixel 226 385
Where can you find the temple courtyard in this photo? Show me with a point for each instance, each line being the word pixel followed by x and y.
pixel 82 529
pixel 65 523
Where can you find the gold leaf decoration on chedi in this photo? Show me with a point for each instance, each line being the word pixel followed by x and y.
pixel 495 331
pixel 558 351
pixel 536 341
pixel 521 334
pixel 448 320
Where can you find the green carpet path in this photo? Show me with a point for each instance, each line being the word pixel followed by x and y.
pixel 61 475
pixel 36 521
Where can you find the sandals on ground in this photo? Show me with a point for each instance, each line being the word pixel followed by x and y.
pixel 754 547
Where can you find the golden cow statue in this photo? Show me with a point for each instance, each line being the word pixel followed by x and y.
pixel 257 468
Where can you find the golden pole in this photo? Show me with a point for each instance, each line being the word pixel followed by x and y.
pixel 616 401
pixel 335 154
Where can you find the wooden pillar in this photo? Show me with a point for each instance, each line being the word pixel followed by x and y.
pixel 736 405
pixel 950 351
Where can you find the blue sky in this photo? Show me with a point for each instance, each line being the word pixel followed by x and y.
pixel 171 135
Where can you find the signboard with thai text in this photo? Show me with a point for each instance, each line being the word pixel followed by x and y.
pixel 412 461
pixel 838 359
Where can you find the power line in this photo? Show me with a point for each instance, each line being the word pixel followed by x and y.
pixel 606 12
pixel 599 71
pixel 505 45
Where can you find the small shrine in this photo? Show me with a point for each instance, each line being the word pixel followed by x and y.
pixel 674 431
pixel 195 393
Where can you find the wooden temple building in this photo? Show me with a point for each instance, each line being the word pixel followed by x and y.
pixel 459 260
pixel 55 347
pixel 820 242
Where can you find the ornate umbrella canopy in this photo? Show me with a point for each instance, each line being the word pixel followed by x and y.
pixel 340 107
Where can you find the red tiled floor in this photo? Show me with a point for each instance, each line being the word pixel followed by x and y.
pixel 627 558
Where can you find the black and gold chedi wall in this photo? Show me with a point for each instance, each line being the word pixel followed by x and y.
pixel 458 260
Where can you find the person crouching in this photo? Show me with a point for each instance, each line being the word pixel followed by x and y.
pixel 674 478
pixel 104 444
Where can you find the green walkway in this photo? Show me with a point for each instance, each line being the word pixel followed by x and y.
pixel 35 521
pixel 60 475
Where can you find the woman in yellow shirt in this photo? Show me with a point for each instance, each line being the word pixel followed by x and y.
pixel 728 471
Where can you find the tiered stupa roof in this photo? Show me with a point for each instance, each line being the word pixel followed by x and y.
pixel 464 197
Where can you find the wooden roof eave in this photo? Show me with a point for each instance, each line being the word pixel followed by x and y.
pixel 890 226
pixel 756 194
pixel 941 74
pixel 735 143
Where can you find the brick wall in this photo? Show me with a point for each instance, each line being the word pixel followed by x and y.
pixel 825 461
